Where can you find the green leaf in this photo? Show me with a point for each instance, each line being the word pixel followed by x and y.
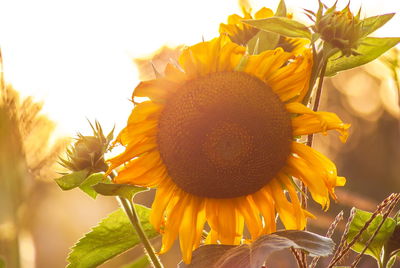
pixel 371 24
pixel 142 262
pixel 262 41
pixel 370 49
pixel 113 236
pixel 254 254
pixel 72 180
pixel 358 222
pixel 124 190
pixel 281 10
pixel 2 263
pixel 282 26
pixel 87 184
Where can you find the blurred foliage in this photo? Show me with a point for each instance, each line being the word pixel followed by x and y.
pixel 27 158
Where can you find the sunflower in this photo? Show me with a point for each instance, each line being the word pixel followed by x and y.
pixel 218 140
pixel 241 33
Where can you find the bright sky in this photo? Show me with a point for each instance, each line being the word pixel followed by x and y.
pixel 76 55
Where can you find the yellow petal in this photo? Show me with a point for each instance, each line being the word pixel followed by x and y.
pixel 132 132
pixel 223 217
pixel 321 164
pixel 139 166
pixel 151 178
pixel 285 209
pixel 174 217
pixel 191 226
pixel 314 181
pixel 266 205
pixel 266 63
pixel 144 111
pixel 164 193
pixel 141 146
pixel 217 55
pixel 292 80
pixel 296 206
pixel 250 212
pixel 157 90
pixel 174 75
pixel 212 237
pixel 263 13
pixel 315 122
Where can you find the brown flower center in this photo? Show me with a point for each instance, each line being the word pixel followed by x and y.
pixel 224 135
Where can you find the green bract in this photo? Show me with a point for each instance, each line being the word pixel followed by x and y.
pixel 341 29
pixel 88 152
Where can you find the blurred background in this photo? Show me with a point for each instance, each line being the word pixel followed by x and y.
pixel 66 62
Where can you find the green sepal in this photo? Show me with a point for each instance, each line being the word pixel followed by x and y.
pixel 262 41
pixel 124 190
pixel 371 24
pixel 113 236
pixel 282 26
pixel 142 262
pixel 281 11
pixel 370 49
pixel 375 247
pixel 87 185
pixel 72 180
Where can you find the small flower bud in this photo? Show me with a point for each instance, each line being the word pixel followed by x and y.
pixel 340 29
pixel 88 152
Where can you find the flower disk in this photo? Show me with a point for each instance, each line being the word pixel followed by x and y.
pixel 224 135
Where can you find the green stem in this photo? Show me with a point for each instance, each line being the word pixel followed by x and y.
pixel 129 208
pixel 318 96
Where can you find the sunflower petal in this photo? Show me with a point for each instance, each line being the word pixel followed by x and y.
pixel 321 164
pixel 164 193
pixel 266 206
pixel 296 206
pixel 139 166
pixel 315 122
pixel 174 217
pixel 285 209
pixel 223 216
pixel 216 55
pixel 189 234
pixel 314 181
pixel 251 216
pixel 141 146
pixel 263 13
pixel 157 90
pixel 144 111
pixel 132 132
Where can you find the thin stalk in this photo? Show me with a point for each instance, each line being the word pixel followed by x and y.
pixel 129 208
pixel 318 97
pixel 303 187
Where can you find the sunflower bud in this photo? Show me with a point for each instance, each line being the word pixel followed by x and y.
pixel 340 29
pixel 88 152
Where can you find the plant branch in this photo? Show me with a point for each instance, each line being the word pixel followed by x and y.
pixel 345 247
pixel 385 215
